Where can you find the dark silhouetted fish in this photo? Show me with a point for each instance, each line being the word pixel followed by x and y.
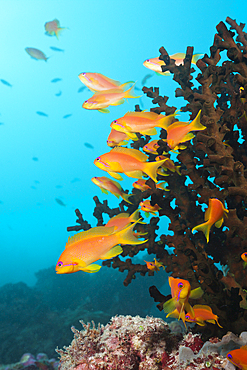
pixel 35 159
pixel 56 80
pixel 137 88
pixel 6 83
pixel 42 114
pixel 82 88
pixel 59 93
pixel 67 115
pixel 60 202
pixel 88 145
pixel 55 49
pixel 145 78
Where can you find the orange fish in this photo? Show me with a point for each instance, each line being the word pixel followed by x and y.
pixel 168 164
pixel 101 100
pixel 36 54
pixel 181 292
pixel 117 138
pixel 112 186
pixel 142 122
pixel 132 162
pixel 213 215
pixel 53 28
pixel 180 132
pixel 202 313
pixel 98 243
pixel 238 357
pixel 154 266
pixel 124 219
pixel 162 186
pixel 141 185
pixel 244 258
pixel 155 63
pixel 147 208
pixel 99 82
pixel 151 147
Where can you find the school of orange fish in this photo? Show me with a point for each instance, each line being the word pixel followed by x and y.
pixel 105 242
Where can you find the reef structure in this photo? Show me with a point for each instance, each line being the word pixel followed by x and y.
pixel 215 165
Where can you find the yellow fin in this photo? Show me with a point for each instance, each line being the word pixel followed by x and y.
pixel 219 222
pixel 202 307
pixel 116 184
pixel 103 110
pixel 126 197
pixel 169 306
pixel 137 174
pixel 126 235
pixel 195 125
pixel 150 168
pixel 115 175
pixel 93 232
pixel 196 293
pixel 207 214
pixel 104 190
pixel 187 137
pixel 211 321
pixel 151 131
pixel 196 57
pixel 148 115
pixel 113 252
pixel 132 152
pixel 91 268
pixel 205 228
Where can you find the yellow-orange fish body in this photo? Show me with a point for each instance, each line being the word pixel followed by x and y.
pixel 94 244
pixel 142 122
pixel 117 138
pixel 154 266
pixel 180 132
pixel 99 82
pixel 101 100
pixel 214 215
pixel 122 220
pixel 151 147
pixel 238 357
pixel 168 164
pixel 202 313
pixel 141 185
pixel 147 208
pixel 129 161
pixel 53 28
pixel 36 54
pixel 112 186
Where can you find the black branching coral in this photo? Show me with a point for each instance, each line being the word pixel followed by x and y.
pixel 215 162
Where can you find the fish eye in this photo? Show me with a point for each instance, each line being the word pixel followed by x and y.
pixel 98 159
pixel 180 285
pixel 187 317
pixel 60 264
pixel 245 254
pixel 86 101
pixel 229 356
pixel 148 60
pixel 115 121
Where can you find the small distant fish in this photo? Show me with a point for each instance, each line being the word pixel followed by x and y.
pixel 42 114
pixel 145 78
pixel 112 186
pixel 33 187
pixel 53 28
pixel 88 145
pixel 82 88
pixel 137 88
pixel 147 208
pixel 1 202
pixel 56 80
pixel 36 181
pixel 60 202
pixel 67 115
pixel 59 93
pixel 76 179
pixel 36 54
pixel 35 159
pixel 6 83
pixel 55 49
pixel 1 123
pixel 58 186
pixel 154 266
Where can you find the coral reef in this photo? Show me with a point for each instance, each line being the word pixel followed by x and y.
pixel 29 361
pixel 144 343
pixel 215 163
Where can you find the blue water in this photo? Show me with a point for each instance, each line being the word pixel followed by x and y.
pixel 44 157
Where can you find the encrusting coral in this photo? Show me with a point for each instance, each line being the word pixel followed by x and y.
pixel 215 163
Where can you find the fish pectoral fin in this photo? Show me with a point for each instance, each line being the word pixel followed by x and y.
pixel 113 252
pixel 169 305
pixel 200 322
pixel 187 137
pixel 219 222
pixel 211 321
pixel 115 175
pixel 147 214
pixel 91 268
pixel 196 293
pixel 121 101
pixel 151 131
pixel 104 191
pixel 137 174
pixel 103 110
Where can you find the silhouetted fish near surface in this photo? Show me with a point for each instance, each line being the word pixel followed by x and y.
pixel 60 202
pixel 82 88
pixel 55 49
pixel 145 78
pixel 42 114
pixel 56 80
pixel 35 159
pixel 6 83
pixel 67 115
pixel 36 54
pixel 59 93
pixel 88 145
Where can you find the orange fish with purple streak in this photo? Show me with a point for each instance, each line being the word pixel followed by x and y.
pixel 167 165
pixel 141 185
pixel 238 357
pixel 148 208
pixel 117 138
pixel 99 82
pixel 151 147
pixel 124 219
pixel 202 313
pixel 214 215
pixel 181 292
pixel 112 186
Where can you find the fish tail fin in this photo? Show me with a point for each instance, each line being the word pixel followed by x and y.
pixel 196 57
pixel 135 216
pixel 125 85
pixel 150 168
pixel 126 197
pixel 164 122
pixel 58 31
pixel 205 228
pixel 128 93
pixel 195 124
pixel 126 235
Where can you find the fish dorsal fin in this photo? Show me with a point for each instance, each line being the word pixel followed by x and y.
pixel 196 293
pixel 132 152
pixel 114 82
pixel 94 231
pixel 244 347
pixel 207 214
pixel 219 222
pixel 177 125
pixel 116 184
pixel 202 307
pixel 148 115
pixel 120 215
pixel 178 56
